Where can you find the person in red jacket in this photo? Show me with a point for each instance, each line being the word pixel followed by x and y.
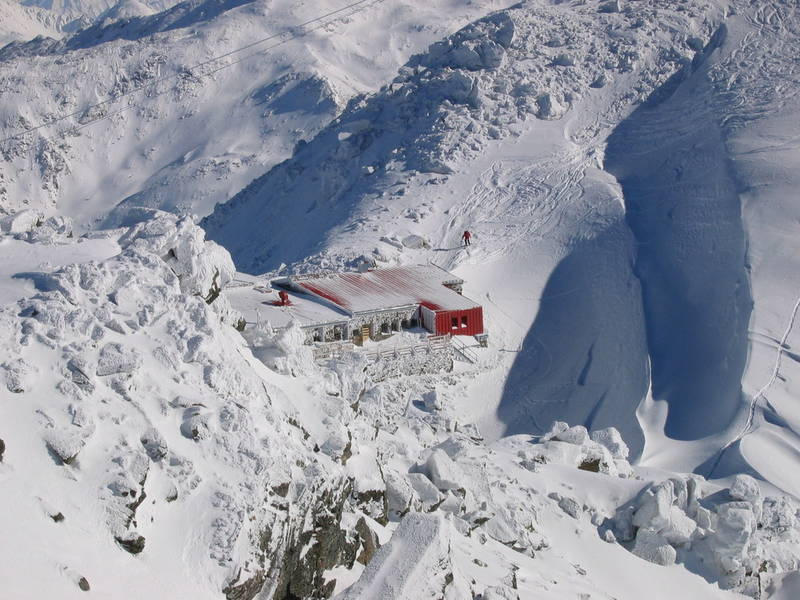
pixel 466 237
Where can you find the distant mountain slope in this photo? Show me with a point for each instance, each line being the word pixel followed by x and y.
pixel 182 139
pixel 19 22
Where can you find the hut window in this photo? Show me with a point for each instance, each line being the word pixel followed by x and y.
pixel 464 321
pixel 454 322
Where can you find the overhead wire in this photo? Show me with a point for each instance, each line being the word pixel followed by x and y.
pixel 290 35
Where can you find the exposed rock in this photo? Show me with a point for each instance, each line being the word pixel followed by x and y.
pixel 83 583
pixel 590 464
pixel 247 590
pixel 2 449
pixel 58 517
pixel 311 551
pixel 134 545
pixel 369 542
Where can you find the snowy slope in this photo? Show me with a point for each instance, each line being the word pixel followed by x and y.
pixel 625 169
pixel 151 450
pixel 633 255
pixel 469 137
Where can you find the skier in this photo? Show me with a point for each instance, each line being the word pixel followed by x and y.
pixel 467 235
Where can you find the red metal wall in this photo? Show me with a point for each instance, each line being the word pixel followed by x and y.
pixel 473 316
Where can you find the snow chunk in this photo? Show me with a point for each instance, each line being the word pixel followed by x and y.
pixel 114 358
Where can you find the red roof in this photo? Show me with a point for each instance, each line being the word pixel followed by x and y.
pixel 383 289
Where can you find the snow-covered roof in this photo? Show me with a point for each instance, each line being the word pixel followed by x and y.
pixel 255 300
pixel 382 289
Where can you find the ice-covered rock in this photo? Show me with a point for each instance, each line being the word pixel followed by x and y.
pixel 549 107
pixel 653 547
pixel 54 229
pixel 555 428
pixel 427 493
pixel 21 221
pixel 432 400
pixel 570 506
pixel 154 444
pixel 399 494
pixel 611 438
pixel 654 507
pixel 19 375
pixel 746 489
pixel 443 472
pixel 203 267
pixel 415 242
pixel 574 435
pixel 680 529
pixel 196 423
pixel 735 524
pixel 66 444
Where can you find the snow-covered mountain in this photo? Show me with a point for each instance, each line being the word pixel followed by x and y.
pixel 626 169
